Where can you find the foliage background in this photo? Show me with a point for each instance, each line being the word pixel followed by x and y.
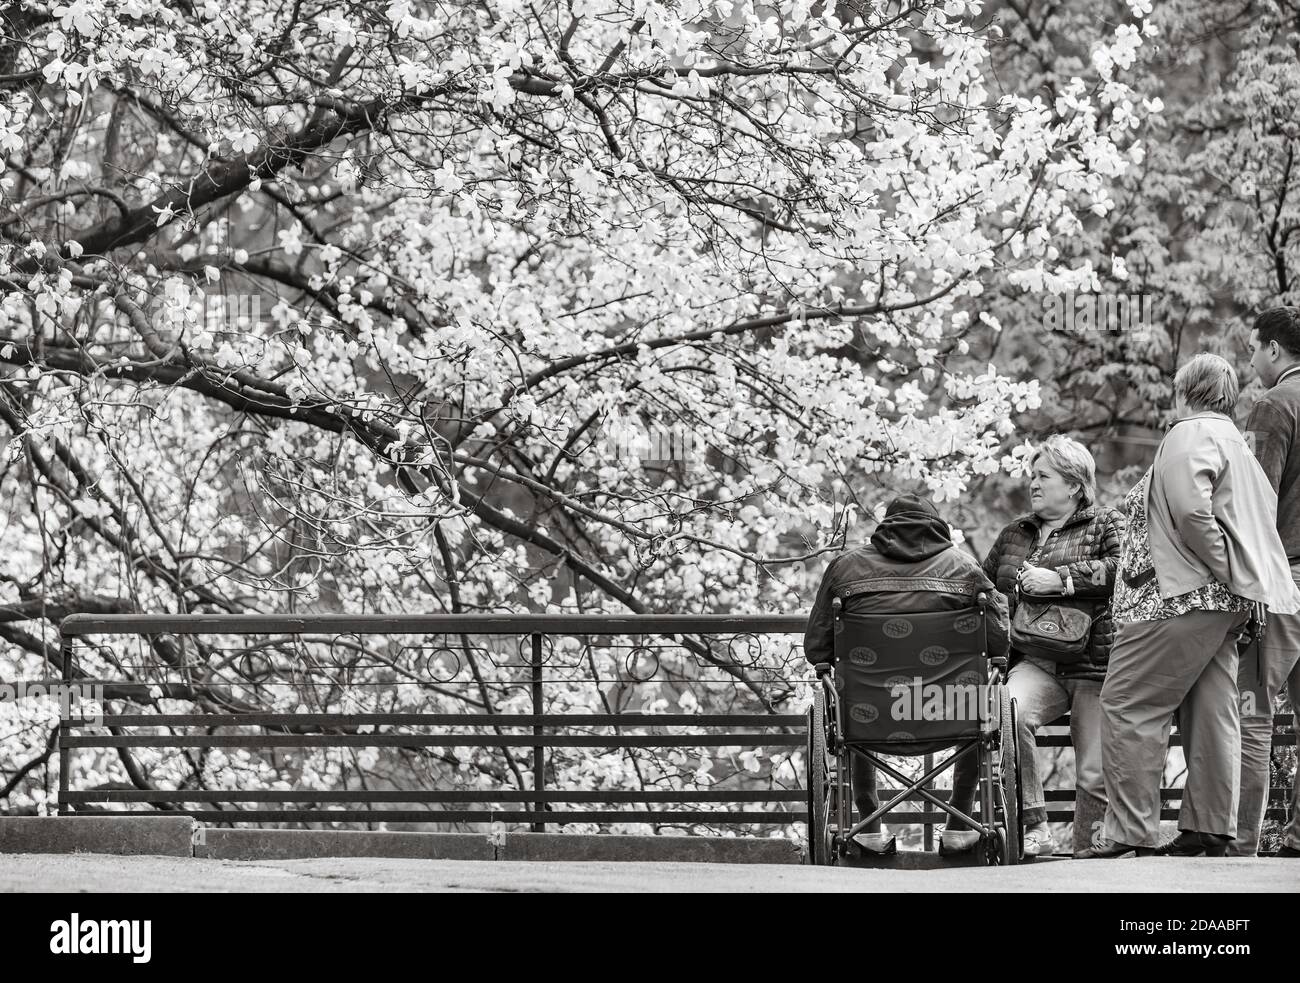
pixel 367 307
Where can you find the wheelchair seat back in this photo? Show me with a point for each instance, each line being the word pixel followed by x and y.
pixel 913 682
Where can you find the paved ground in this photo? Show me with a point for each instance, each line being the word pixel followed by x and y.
pixel 98 872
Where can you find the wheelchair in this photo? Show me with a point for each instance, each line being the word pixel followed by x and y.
pixel 913 684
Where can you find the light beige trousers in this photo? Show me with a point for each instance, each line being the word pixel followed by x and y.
pixel 1188 664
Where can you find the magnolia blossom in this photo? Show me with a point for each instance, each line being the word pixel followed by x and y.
pixel 467 258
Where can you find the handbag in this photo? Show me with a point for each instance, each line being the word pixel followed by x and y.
pixel 1053 628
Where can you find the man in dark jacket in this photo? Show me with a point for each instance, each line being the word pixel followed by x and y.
pixel 1273 429
pixel 909 565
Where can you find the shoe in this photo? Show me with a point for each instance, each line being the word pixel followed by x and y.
pixel 1104 849
pixel 1289 852
pixel 958 841
pixel 1192 844
pixel 1038 840
pixel 1108 851
pixel 1095 840
pixel 877 844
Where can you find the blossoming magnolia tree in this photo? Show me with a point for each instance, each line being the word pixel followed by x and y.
pixel 370 308
pixel 1204 225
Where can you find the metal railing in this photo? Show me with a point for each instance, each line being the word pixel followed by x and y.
pixel 1061 804
pixel 730 646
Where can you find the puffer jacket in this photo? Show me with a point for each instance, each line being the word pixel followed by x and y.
pixel 910 564
pixel 1085 548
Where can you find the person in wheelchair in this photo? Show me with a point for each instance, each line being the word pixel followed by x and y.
pixel 910 564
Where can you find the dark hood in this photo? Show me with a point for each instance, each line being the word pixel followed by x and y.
pixel 911 530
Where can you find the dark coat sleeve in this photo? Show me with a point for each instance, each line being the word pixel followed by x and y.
pixel 1095 577
pixel 1271 439
pixel 999 621
pixel 999 626
pixel 819 638
pixel 990 567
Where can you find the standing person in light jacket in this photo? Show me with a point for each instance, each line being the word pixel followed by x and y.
pixel 1201 546
pixel 1274 427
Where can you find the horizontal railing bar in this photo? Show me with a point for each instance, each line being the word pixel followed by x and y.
pixel 453 719
pixel 1063 740
pixel 1068 794
pixel 1175 740
pixel 1066 816
pixel 523 816
pixel 1277 793
pixel 507 720
pixel 464 795
pixel 1279 720
pixel 719 818
pixel 486 816
pixel 425 740
pixel 451 740
pixel 80 625
pixel 1063 816
pixel 1282 720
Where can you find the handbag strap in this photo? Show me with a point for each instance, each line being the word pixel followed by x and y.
pixel 1140 579
pixel 1258 623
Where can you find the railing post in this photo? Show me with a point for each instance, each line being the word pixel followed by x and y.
pixel 65 753
pixel 539 755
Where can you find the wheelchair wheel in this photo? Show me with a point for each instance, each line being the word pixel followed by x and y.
pixel 1010 847
pixel 1020 785
pixel 1002 847
pixel 819 798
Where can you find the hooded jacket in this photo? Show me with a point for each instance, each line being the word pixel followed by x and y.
pixel 909 564
pixel 1212 515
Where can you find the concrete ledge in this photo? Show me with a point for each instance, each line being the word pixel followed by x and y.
pixel 163 836
pixel 927 860
pixel 305 844
pixel 678 849
pixel 179 836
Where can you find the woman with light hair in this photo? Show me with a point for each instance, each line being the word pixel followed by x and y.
pixel 1062 555
pixel 1200 552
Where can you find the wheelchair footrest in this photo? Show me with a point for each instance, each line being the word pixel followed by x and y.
pixel 911 860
